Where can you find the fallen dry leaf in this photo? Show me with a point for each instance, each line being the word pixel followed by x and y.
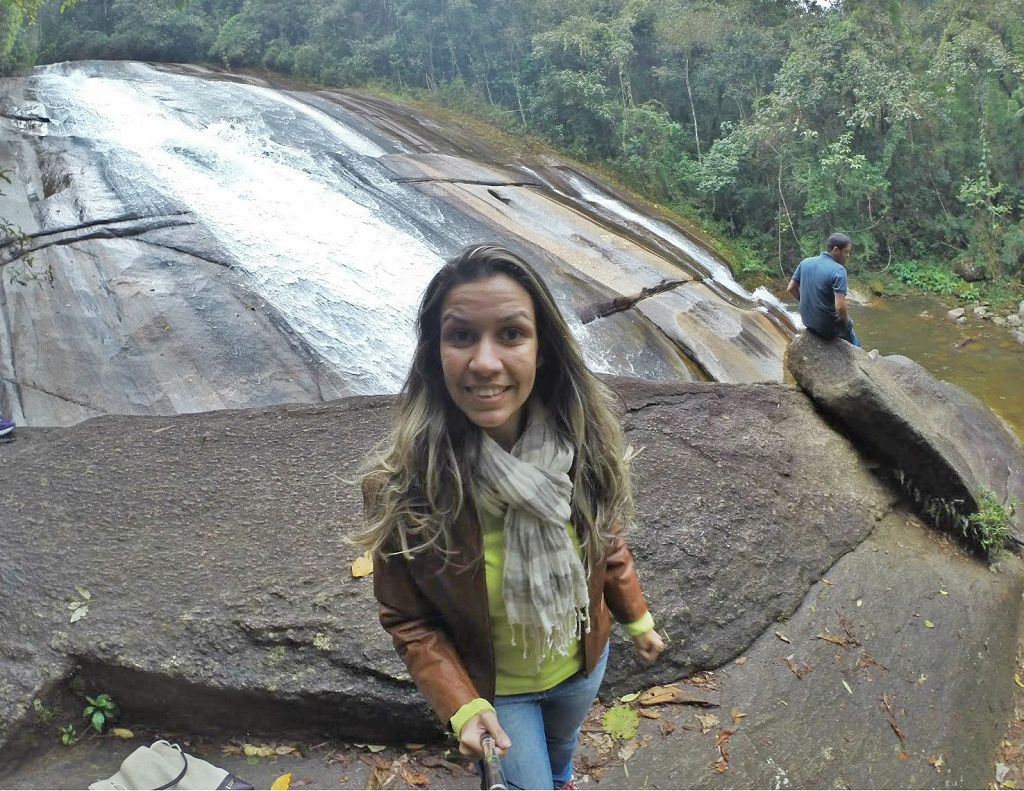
pixel 891 717
pixel 938 762
pixel 667 727
pixel 868 660
pixel 649 714
pixel 436 761
pixel 362 565
pixel 1016 678
pixel 722 738
pixel 603 742
pixel 799 670
pixel 413 778
pixel 737 715
pixel 391 769
pixel 837 639
pixel 705 680
pixel 670 693
pixel 848 689
pixel 708 721
pixel 627 750
pixel 742 660
pixel 122 733
pixel 283 783
pixel 782 637
pixel 285 749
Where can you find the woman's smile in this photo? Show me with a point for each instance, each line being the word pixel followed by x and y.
pixel 489 353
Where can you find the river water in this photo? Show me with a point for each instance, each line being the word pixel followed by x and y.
pixel 990 364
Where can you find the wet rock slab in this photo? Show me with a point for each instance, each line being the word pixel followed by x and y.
pixel 915 692
pixel 947 690
pixel 221 598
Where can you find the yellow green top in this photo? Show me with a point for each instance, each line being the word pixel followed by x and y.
pixel 514 673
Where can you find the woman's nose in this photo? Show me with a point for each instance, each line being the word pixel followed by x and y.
pixel 485 358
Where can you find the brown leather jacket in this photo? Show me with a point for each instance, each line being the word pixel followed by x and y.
pixel 440 622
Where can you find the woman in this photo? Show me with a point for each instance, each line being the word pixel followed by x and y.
pixel 495 508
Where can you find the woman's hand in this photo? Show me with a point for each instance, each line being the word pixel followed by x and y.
pixel 475 728
pixel 649 646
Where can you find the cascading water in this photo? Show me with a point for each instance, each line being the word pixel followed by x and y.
pixel 330 212
pixel 260 170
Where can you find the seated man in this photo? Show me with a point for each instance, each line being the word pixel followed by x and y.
pixel 819 283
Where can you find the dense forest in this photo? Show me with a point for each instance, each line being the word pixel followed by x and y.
pixel 773 122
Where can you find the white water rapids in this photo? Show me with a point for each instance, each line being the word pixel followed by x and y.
pixel 337 226
pixel 315 245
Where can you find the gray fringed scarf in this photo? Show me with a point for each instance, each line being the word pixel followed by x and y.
pixel 545 585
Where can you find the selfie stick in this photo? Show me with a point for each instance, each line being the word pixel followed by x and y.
pixel 494 778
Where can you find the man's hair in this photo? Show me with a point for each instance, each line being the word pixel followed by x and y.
pixel 836 240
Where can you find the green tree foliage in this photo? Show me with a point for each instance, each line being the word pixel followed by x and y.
pixel 900 122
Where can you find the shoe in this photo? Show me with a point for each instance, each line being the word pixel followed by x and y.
pixel 6 426
pixel 570 785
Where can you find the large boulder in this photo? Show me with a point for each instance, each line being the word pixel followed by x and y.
pixel 212 547
pixel 970 270
pixel 944 440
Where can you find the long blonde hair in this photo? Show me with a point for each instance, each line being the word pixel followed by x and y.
pixel 421 473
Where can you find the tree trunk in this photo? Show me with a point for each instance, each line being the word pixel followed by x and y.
pixel 693 110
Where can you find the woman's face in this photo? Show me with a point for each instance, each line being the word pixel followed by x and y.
pixel 489 353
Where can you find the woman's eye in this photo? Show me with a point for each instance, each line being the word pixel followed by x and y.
pixel 512 334
pixel 460 337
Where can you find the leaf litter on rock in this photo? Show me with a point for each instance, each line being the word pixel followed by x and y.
pixel 836 639
pixel 670 693
pixel 891 718
pixel 621 722
pixel 282 783
pixel 800 669
pixel 362 566
pixel 723 760
pixel 708 721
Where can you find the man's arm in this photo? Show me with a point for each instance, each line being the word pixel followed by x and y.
pixel 844 317
pixel 794 289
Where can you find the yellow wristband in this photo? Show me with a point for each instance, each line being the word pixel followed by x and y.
pixel 641 626
pixel 467 712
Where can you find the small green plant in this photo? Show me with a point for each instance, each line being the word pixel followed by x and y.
pixel 68 735
pixel 930 277
pixel 990 524
pixel 100 712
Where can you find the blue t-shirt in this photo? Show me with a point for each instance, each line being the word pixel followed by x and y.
pixel 820 278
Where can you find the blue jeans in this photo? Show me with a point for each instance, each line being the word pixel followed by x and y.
pixel 544 728
pixel 846 333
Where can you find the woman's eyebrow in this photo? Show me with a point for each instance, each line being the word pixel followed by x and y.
pixel 455 316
